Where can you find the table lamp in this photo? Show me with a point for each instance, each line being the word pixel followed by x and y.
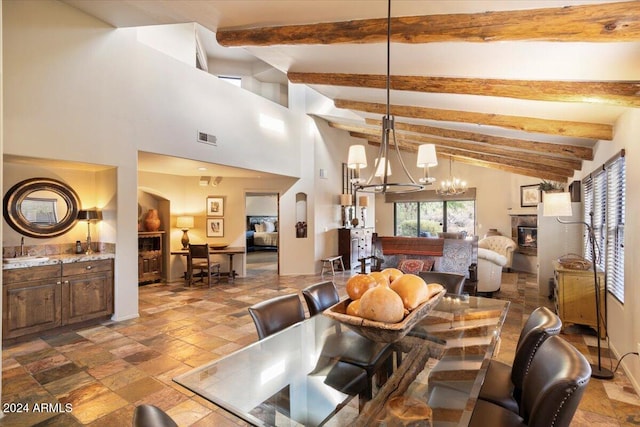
pixel 363 201
pixel 184 223
pixel 559 204
pixel 89 215
pixel 346 200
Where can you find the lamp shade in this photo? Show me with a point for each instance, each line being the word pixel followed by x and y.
pixel 346 200
pixel 557 204
pixel 363 201
pixel 89 215
pixel 427 156
pixel 184 222
pixel 380 167
pixel 357 157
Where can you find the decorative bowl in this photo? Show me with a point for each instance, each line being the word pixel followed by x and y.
pixel 381 331
pixel 218 245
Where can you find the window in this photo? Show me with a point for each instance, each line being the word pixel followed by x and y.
pixel 429 218
pixel 604 198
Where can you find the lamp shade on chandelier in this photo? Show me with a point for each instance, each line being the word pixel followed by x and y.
pixel 426 159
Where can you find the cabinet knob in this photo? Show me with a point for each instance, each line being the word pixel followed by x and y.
pixel 89 267
pixel 58 283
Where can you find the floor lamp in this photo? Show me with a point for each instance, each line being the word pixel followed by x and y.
pixel 559 204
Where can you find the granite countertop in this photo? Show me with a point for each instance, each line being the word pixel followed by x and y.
pixel 9 264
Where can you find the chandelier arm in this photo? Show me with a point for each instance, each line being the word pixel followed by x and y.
pixel 397 148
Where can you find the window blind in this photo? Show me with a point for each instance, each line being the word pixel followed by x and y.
pixel 616 180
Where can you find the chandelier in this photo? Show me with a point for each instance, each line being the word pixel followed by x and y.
pixel 379 181
pixel 453 185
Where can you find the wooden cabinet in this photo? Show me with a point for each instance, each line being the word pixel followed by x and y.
pixel 87 290
pixel 31 300
pixel 37 299
pixel 354 244
pixel 150 256
pixel 575 297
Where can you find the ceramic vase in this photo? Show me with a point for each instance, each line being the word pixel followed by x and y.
pixel 152 221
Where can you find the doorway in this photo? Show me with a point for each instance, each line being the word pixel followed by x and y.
pixel 262 230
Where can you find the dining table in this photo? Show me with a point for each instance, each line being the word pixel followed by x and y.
pixel 285 379
pixel 230 251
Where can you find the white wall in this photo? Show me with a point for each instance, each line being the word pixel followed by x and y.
pixel 78 90
pixel 266 205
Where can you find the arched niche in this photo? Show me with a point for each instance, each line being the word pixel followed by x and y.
pixel 301 215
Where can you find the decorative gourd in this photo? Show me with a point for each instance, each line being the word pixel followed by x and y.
pixel 392 273
pixel 382 305
pixel 353 308
pixel 358 285
pixel 413 290
pixel 380 278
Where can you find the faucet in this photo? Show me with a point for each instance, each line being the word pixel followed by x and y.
pixel 22 246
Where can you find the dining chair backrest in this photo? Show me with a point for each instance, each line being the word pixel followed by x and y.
pixel 320 296
pixel 199 251
pixel 541 324
pixel 453 282
pixel 151 416
pixel 276 314
pixel 553 389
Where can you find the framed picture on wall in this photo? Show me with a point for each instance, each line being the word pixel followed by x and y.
pixel 529 195
pixel 215 206
pixel 215 227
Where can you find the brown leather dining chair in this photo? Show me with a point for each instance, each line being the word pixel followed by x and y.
pixel 275 314
pixel 151 416
pixel 503 383
pixel 551 391
pixel 278 313
pixel 199 259
pixel 346 345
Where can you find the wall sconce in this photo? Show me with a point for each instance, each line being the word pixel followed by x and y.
pixel 363 201
pixel 184 223
pixel 357 159
pixel 346 201
pixel 89 215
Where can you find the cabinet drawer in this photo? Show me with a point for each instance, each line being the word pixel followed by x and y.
pixel 30 273
pixel 86 267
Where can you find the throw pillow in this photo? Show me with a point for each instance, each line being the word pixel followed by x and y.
pixel 411 266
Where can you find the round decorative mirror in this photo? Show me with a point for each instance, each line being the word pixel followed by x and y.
pixel 41 207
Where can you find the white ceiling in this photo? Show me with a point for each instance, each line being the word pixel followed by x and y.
pixel 522 60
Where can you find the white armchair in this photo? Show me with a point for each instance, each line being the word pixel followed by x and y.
pixel 490 265
pixel 500 244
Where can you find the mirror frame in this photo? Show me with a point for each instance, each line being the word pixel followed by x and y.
pixel 16 195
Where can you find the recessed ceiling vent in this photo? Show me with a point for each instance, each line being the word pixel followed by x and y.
pixel 205 138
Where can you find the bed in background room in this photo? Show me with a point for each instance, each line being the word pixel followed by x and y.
pixel 262 233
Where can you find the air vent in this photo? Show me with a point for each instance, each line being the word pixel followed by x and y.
pixel 205 138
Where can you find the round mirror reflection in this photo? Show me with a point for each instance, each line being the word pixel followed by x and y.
pixel 41 207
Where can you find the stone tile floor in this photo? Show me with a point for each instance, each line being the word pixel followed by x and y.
pixel 97 375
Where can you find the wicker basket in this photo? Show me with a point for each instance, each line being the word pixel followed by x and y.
pixel 574 262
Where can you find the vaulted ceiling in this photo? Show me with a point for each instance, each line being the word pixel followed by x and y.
pixel 526 87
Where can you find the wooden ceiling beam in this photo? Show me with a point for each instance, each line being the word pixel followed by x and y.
pixel 608 22
pixel 541 159
pixel 595 131
pixel 565 150
pixel 532 163
pixel 620 93
pixel 518 168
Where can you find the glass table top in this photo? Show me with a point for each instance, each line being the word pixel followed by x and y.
pixel 285 380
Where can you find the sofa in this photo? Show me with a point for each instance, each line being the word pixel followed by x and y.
pixel 490 266
pixel 436 254
pixel 502 245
